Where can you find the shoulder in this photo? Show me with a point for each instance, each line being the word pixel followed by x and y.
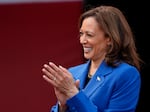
pixel 125 67
pixel 77 67
pixel 79 70
pixel 127 72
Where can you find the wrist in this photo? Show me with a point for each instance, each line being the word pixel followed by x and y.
pixel 72 93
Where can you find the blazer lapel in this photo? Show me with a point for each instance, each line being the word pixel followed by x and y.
pixel 83 75
pixel 98 78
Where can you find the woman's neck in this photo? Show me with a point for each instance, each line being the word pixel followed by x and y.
pixel 94 66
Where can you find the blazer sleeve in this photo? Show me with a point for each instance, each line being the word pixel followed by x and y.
pixel 76 103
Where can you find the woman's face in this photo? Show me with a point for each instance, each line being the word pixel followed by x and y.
pixel 93 40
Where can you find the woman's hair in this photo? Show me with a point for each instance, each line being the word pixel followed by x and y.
pixel 115 26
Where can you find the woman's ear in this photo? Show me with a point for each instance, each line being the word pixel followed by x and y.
pixel 108 41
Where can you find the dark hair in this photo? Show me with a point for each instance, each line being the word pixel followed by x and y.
pixel 115 26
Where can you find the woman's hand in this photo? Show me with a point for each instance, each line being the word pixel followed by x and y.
pixel 64 85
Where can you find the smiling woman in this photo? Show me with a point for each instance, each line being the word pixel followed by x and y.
pixel 115 81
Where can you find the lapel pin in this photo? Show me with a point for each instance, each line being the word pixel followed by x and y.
pixel 98 78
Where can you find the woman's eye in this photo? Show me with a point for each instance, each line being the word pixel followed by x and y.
pixel 86 34
pixel 80 33
pixel 89 35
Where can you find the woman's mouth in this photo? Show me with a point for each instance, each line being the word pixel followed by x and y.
pixel 87 49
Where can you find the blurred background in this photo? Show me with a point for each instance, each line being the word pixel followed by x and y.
pixel 34 32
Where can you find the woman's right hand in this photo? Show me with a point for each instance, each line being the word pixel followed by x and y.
pixel 61 96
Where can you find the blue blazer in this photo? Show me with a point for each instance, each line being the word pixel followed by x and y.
pixel 111 89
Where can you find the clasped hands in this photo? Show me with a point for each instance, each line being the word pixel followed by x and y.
pixel 61 79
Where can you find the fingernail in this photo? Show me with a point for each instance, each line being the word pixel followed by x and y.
pixel 50 63
pixel 45 65
pixel 60 66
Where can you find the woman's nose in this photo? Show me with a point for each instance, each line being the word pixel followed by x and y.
pixel 83 39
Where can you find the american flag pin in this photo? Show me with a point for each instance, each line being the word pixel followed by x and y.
pixel 98 78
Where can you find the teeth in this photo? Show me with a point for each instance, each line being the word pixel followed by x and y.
pixel 87 49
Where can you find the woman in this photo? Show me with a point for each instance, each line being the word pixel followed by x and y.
pixel 110 79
